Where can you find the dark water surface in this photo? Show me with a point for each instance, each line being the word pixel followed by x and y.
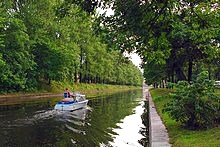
pixel 113 120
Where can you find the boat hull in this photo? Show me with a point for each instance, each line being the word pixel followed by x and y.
pixel 71 105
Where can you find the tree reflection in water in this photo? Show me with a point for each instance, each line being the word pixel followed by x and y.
pixel 145 131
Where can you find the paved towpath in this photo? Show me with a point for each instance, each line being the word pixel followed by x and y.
pixel 158 133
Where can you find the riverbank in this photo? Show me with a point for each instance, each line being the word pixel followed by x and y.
pixel 56 90
pixel 180 136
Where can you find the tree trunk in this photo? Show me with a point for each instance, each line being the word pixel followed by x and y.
pixel 190 70
pixel 81 66
pixel 209 72
pixel 49 81
pixel 76 80
pixel 180 75
pixel 80 77
pixel 172 75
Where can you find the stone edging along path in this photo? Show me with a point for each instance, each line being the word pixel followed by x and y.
pixel 158 136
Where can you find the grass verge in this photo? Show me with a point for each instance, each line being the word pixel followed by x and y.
pixel 89 89
pixel 180 137
pixel 56 88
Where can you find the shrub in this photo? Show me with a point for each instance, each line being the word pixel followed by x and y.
pixel 195 104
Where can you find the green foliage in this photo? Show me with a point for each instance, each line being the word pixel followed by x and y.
pixel 154 73
pixel 53 40
pixel 173 35
pixel 2 23
pixel 195 104
pixel 16 59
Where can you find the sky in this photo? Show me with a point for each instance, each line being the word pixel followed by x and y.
pixel 135 59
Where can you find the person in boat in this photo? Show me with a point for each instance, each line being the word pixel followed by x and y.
pixel 67 93
pixel 68 96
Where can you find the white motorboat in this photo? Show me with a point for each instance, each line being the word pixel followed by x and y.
pixel 72 103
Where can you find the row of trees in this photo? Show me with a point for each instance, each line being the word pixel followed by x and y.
pixel 57 40
pixel 44 40
pixel 176 39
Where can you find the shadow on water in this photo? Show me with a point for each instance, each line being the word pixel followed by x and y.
pixel 145 130
pixel 102 123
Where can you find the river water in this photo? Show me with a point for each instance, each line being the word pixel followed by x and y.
pixel 117 120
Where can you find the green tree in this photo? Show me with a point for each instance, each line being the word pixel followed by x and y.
pixel 48 40
pixel 2 25
pixel 195 105
pixel 175 33
pixel 154 73
pixel 15 50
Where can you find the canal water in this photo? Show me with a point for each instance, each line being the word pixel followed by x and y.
pixel 117 120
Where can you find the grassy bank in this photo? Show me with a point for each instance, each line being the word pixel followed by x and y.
pixel 179 136
pixel 89 89
pixel 56 88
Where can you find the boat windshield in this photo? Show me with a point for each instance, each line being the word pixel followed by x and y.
pixel 80 98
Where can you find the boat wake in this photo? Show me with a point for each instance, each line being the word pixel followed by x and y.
pixel 74 117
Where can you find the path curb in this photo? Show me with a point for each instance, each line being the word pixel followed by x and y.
pixel 158 136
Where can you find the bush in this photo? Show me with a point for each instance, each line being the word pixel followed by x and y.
pixel 195 104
